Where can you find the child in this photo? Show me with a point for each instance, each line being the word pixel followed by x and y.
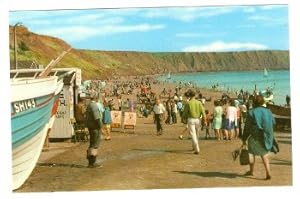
pixel 106 120
pixel 224 124
pixel 208 120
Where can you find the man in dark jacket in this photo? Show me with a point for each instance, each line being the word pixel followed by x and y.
pixel 93 121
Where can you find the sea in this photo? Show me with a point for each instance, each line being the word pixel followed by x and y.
pixel 276 80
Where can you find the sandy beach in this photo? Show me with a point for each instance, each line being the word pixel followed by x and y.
pixel 143 160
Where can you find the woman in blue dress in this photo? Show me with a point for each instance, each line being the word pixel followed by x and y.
pixel 258 134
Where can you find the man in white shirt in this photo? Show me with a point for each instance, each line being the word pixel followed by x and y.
pixel 159 112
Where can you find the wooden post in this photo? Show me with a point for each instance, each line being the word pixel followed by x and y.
pixel 16 44
pixel 52 63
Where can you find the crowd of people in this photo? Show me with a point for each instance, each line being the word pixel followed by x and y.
pixel 228 119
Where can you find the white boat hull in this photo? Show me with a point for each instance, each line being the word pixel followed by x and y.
pixel 26 156
pixel 33 113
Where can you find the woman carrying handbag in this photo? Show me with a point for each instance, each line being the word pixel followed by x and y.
pixel 258 134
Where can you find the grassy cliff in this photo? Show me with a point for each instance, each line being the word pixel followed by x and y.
pixel 102 64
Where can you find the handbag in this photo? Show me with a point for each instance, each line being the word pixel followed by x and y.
pixel 275 146
pixel 244 156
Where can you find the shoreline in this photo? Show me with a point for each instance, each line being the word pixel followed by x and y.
pixel 158 87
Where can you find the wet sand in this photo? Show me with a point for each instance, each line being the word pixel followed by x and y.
pixel 143 160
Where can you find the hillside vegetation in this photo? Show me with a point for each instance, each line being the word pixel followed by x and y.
pixel 104 64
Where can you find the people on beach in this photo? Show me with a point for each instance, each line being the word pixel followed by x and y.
pixel 169 119
pixel 288 100
pixel 217 119
pixel 119 103
pixel 206 124
pixel 100 107
pixel 80 111
pixel 243 117
pixel 231 120
pixel 258 134
pixel 159 116
pixel 94 125
pixel 193 110
pixel 106 121
pixel 180 106
pixel 174 111
pixel 237 126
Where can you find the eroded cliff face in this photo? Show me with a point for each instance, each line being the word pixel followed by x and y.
pixel 104 64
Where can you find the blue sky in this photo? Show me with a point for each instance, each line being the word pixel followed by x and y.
pixel 179 29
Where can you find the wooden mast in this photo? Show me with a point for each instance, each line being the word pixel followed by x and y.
pixel 52 63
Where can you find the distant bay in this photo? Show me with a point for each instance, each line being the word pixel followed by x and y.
pixel 277 80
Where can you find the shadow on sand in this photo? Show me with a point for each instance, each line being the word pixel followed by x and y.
pixel 164 150
pixel 218 175
pixel 211 174
pixel 60 165
pixel 283 137
pixel 281 162
pixel 285 141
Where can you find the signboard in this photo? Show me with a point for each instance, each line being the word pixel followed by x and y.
pixel 62 128
pixel 116 117
pixel 78 77
pixel 129 119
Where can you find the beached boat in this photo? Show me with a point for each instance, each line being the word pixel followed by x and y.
pixel 280 110
pixel 282 116
pixel 34 103
pixel 32 114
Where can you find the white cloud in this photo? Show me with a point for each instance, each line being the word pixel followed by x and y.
pixel 269 20
pixel 82 19
pixel 220 46
pixel 259 18
pixel 188 14
pixel 70 33
pixel 272 7
pixel 93 19
pixel 249 9
pixel 195 35
pixel 75 33
pixel 188 35
pixel 27 16
pixel 130 28
pixel 45 18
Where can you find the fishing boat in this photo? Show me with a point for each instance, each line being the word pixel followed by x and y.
pixel 282 116
pixel 34 103
pixel 280 110
pixel 31 114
